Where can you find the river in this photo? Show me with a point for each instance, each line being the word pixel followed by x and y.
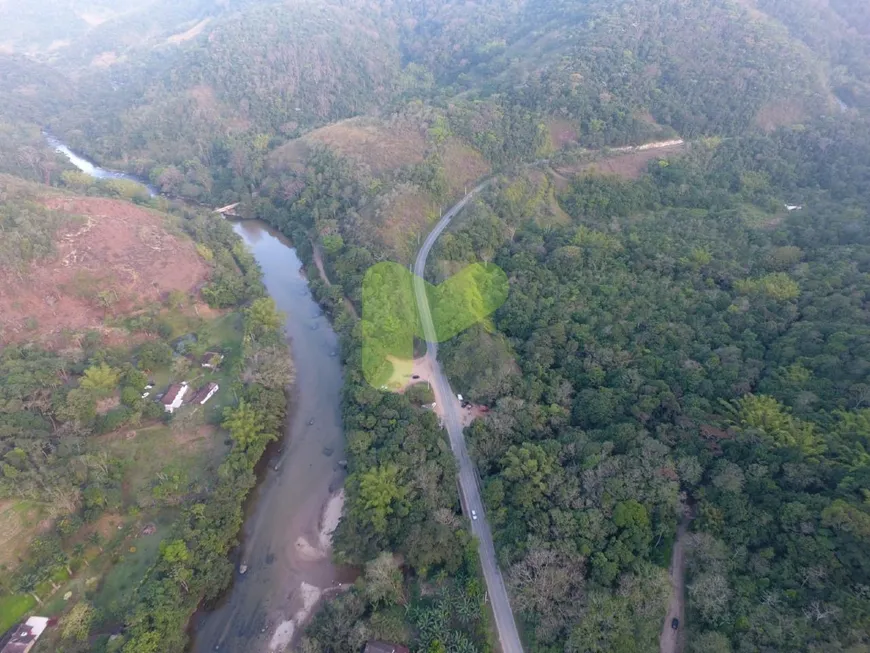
pixel 90 168
pixel 284 544
pixel 285 538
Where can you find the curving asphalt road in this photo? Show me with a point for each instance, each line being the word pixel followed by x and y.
pixel 470 491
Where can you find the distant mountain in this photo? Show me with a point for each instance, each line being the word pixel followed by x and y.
pixel 838 32
pixel 74 32
pixel 31 91
pixel 269 70
pixel 40 27
pixel 211 86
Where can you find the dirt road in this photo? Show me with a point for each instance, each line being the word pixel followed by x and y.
pixel 672 640
pixel 318 261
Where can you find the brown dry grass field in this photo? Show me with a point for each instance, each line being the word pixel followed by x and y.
pixel 628 165
pixel 462 166
pixel 111 259
pixel 373 145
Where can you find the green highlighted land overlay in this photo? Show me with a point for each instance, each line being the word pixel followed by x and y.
pixel 391 321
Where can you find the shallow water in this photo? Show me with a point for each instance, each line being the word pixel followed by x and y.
pixel 289 503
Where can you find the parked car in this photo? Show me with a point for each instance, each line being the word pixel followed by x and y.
pixel 675 623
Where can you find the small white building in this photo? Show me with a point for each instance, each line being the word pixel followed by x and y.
pixel 211 360
pixel 174 397
pixel 205 393
pixel 25 636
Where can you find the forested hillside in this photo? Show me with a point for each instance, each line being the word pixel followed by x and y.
pixel 839 32
pixel 265 74
pixel 72 33
pixel 687 350
pixel 251 76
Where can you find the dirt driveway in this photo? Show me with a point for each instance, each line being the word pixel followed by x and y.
pixel 672 641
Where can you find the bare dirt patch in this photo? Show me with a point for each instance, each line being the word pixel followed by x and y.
pixel 562 132
pixel 206 312
pixel 628 165
pixel 192 33
pixel 422 369
pixel 106 525
pixel 121 257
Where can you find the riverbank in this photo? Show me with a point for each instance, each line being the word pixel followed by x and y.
pixel 297 497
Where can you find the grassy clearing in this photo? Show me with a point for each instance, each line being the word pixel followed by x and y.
pixel 131 565
pixel 226 330
pixel 13 608
pixel 754 217
pixel 163 462
pixel 19 523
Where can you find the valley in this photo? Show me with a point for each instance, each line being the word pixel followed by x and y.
pixel 675 192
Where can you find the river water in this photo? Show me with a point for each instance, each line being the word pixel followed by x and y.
pixel 285 539
pixel 288 566
pixel 90 168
